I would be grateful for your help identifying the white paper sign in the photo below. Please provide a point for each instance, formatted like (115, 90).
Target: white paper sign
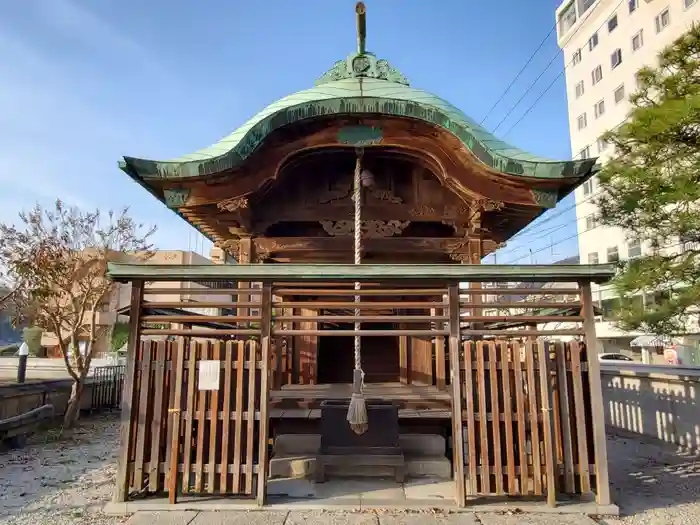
(209, 372)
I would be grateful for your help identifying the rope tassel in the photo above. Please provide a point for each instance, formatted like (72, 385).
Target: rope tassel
(357, 411)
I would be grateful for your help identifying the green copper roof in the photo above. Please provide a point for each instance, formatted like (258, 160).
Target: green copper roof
(359, 85)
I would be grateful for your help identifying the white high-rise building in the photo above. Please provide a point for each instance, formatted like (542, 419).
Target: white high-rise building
(605, 42)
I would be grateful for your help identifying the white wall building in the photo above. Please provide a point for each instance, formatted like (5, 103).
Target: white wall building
(605, 42)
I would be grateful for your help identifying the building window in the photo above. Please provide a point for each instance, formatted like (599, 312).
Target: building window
(597, 75)
(612, 24)
(616, 58)
(620, 94)
(582, 121)
(633, 4)
(577, 57)
(662, 20)
(593, 42)
(585, 153)
(590, 223)
(567, 18)
(602, 145)
(638, 40)
(599, 108)
(613, 254)
(588, 187)
(593, 258)
(579, 89)
(634, 249)
(587, 4)
(610, 307)
(688, 3)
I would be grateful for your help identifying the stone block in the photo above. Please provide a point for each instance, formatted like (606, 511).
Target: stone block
(430, 489)
(422, 444)
(321, 517)
(427, 518)
(297, 444)
(171, 517)
(435, 467)
(240, 517)
(292, 466)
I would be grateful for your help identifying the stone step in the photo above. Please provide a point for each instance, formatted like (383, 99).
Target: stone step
(297, 466)
(418, 445)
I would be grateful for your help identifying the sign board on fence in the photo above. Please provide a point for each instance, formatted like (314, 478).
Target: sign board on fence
(209, 372)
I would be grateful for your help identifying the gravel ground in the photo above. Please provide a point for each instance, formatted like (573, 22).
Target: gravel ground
(653, 485)
(62, 481)
(67, 481)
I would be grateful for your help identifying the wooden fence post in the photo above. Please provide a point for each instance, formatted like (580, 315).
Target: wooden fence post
(456, 384)
(265, 339)
(600, 445)
(122, 482)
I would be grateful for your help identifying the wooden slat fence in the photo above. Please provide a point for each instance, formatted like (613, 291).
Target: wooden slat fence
(185, 440)
(526, 419)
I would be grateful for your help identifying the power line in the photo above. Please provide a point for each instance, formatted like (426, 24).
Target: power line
(549, 246)
(559, 212)
(549, 218)
(519, 73)
(526, 92)
(559, 75)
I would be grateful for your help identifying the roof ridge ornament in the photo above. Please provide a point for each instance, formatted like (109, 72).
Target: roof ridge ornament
(361, 11)
(362, 64)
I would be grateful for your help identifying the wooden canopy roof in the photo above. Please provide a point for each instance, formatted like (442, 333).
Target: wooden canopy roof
(304, 143)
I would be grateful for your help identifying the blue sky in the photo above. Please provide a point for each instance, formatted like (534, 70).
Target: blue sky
(83, 83)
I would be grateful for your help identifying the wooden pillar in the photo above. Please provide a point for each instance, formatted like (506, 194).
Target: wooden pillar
(294, 340)
(421, 355)
(456, 385)
(404, 354)
(599, 439)
(308, 350)
(439, 349)
(246, 255)
(129, 393)
(548, 416)
(265, 340)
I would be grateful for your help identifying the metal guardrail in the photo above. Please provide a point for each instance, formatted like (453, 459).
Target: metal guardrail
(641, 369)
(107, 385)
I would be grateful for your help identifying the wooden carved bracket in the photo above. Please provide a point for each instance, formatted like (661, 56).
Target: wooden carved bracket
(231, 246)
(370, 229)
(239, 208)
(385, 196)
(341, 190)
(233, 205)
(464, 219)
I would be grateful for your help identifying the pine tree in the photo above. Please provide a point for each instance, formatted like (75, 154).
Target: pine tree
(651, 188)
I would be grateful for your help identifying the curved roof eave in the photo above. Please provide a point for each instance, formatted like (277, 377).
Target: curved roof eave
(355, 96)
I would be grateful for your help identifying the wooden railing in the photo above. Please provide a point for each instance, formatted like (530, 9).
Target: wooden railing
(527, 402)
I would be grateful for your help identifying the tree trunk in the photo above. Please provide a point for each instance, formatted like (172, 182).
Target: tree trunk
(73, 411)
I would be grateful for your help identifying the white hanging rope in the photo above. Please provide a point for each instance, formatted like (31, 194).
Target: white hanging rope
(357, 196)
(357, 411)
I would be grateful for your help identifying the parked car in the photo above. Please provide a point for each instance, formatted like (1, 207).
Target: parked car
(614, 357)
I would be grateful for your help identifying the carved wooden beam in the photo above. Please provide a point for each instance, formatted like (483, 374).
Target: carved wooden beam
(278, 245)
(370, 229)
(434, 146)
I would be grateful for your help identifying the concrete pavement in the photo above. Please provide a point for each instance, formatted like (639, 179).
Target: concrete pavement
(338, 517)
